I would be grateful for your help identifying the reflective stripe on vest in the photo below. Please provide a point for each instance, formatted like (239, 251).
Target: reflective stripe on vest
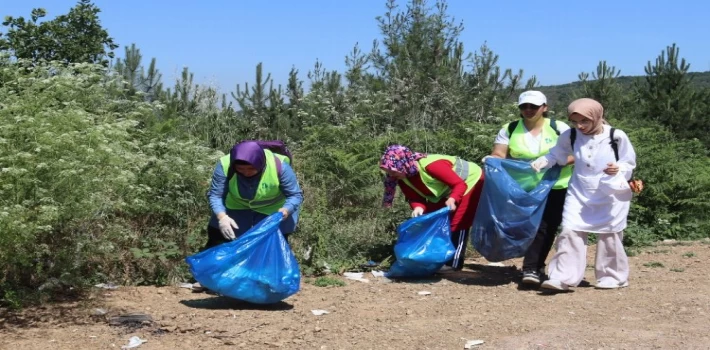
(517, 149)
(467, 171)
(268, 197)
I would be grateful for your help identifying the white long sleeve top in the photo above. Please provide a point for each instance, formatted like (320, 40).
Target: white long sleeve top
(588, 207)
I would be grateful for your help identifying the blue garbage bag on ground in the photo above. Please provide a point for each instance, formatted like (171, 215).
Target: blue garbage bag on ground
(423, 245)
(258, 267)
(510, 209)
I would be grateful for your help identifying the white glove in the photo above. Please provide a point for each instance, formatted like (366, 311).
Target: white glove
(451, 204)
(227, 226)
(539, 164)
(418, 211)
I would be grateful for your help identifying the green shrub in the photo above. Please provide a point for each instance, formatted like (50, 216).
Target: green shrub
(85, 186)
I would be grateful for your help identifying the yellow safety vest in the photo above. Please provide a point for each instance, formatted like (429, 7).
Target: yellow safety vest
(268, 198)
(467, 171)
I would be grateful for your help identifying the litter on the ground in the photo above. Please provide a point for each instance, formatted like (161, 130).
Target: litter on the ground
(133, 342)
(369, 265)
(136, 320)
(185, 285)
(378, 273)
(99, 312)
(496, 264)
(319, 312)
(424, 292)
(106, 286)
(470, 344)
(357, 276)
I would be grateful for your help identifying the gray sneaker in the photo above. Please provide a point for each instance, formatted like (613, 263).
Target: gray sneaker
(531, 277)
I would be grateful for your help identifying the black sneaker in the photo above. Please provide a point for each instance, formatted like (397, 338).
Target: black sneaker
(531, 277)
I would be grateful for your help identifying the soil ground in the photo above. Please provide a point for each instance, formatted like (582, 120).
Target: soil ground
(667, 306)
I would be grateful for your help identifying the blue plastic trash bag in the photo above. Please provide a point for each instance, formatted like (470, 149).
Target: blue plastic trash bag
(423, 245)
(258, 267)
(510, 209)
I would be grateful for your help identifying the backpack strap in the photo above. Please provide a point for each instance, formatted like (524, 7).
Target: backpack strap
(553, 125)
(512, 126)
(614, 144)
(278, 165)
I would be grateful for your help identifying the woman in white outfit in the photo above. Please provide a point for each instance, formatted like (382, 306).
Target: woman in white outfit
(597, 200)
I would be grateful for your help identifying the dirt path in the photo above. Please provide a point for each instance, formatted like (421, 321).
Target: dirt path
(667, 306)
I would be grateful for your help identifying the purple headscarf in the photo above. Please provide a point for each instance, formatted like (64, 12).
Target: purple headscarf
(249, 152)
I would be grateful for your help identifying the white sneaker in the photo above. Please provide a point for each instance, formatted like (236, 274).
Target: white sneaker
(445, 269)
(609, 283)
(198, 288)
(554, 285)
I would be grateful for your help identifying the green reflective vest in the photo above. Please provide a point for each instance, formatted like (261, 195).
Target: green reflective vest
(469, 172)
(268, 198)
(518, 150)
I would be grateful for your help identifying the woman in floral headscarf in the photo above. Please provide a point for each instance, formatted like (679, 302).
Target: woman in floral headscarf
(597, 200)
(431, 182)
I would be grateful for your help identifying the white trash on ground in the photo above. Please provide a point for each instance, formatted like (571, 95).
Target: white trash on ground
(319, 312)
(106, 286)
(378, 273)
(99, 312)
(133, 342)
(424, 292)
(357, 276)
(470, 344)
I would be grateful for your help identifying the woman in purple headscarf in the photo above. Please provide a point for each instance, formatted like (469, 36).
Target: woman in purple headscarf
(249, 184)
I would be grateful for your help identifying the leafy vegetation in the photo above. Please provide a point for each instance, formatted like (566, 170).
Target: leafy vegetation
(328, 281)
(104, 166)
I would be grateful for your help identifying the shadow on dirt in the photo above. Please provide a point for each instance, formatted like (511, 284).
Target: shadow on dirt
(483, 275)
(416, 280)
(226, 303)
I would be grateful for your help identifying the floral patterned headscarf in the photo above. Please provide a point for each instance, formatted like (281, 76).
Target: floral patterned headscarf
(401, 159)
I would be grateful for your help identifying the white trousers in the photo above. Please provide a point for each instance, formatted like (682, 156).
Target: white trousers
(570, 260)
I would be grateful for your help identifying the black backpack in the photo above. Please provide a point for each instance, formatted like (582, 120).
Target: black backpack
(613, 142)
(513, 125)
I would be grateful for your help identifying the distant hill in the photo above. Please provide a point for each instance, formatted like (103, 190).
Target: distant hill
(557, 94)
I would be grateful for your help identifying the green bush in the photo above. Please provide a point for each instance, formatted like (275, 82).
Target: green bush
(86, 192)
(676, 175)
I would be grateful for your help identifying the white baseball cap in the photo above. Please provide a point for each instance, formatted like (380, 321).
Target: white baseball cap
(533, 97)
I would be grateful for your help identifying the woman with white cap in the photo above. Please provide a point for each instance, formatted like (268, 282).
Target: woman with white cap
(527, 139)
(597, 200)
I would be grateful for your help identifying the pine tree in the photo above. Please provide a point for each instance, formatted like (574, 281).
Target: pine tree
(603, 87)
(668, 97)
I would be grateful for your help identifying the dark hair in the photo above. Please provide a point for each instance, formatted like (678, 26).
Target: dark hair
(241, 162)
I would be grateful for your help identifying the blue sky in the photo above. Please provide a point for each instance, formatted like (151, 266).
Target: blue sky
(222, 41)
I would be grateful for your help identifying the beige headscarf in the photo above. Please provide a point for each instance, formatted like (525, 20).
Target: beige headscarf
(591, 110)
